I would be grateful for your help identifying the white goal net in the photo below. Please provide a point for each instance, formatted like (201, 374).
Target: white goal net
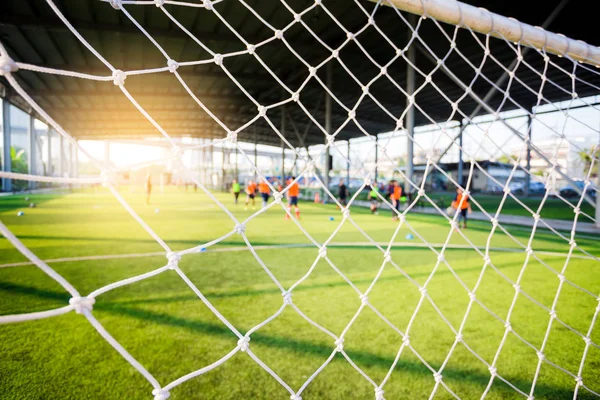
(495, 66)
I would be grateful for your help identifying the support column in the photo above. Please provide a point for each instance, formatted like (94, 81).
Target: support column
(255, 153)
(223, 168)
(460, 154)
(49, 169)
(75, 160)
(106, 153)
(6, 159)
(376, 156)
(348, 167)
(528, 156)
(237, 171)
(410, 115)
(61, 156)
(282, 145)
(31, 150)
(329, 77)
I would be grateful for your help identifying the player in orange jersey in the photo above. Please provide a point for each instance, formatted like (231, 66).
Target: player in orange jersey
(265, 192)
(250, 191)
(293, 194)
(462, 205)
(395, 196)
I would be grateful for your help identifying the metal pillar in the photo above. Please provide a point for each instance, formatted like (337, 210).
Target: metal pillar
(50, 168)
(348, 166)
(255, 153)
(410, 114)
(376, 156)
(528, 156)
(6, 159)
(329, 79)
(237, 171)
(106, 153)
(61, 156)
(75, 160)
(282, 144)
(223, 168)
(460, 154)
(31, 150)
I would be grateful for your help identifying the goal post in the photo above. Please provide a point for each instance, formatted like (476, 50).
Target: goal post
(386, 85)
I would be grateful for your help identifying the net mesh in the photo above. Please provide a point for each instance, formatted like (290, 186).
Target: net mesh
(478, 133)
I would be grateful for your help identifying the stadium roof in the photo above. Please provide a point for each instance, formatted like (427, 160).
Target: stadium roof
(33, 33)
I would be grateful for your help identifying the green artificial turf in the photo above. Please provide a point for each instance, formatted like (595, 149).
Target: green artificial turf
(171, 332)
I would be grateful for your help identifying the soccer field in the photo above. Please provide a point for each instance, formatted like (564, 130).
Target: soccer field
(171, 332)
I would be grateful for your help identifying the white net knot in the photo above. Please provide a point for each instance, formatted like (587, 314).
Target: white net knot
(82, 303)
(493, 371)
(323, 251)
(529, 250)
(517, 287)
(232, 136)
(494, 222)
(251, 49)
(297, 17)
(330, 140)
(577, 210)
(244, 343)
(350, 35)
(161, 394)
(364, 299)
(296, 96)
(423, 291)
(402, 218)
(406, 340)
(587, 340)
(172, 64)
(240, 229)
(561, 277)
(459, 338)
(387, 257)
(365, 89)
(536, 217)
(7, 65)
(441, 257)
(437, 377)
(207, 4)
(262, 110)
(346, 212)
(287, 297)
(454, 224)
(173, 259)
(312, 71)
(472, 296)
(421, 192)
(541, 355)
(410, 99)
(119, 77)
(335, 53)
(318, 2)
(572, 243)
(383, 71)
(579, 380)
(506, 190)
(379, 394)
(159, 3)
(486, 259)
(278, 34)
(508, 326)
(339, 345)
(277, 196)
(116, 4)
(552, 314)
(295, 397)
(218, 59)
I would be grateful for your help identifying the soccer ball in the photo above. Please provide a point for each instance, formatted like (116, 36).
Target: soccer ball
(20, 213)
(450, 211)
(31, 205)
(157, 210)
(409, 236)
(26, 198)
(331, 218)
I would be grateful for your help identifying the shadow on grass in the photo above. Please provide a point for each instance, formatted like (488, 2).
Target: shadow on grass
(362, 358)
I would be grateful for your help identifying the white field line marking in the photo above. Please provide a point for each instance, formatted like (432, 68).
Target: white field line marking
(289, 246)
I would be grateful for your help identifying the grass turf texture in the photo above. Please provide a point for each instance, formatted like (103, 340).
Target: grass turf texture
(168, 329)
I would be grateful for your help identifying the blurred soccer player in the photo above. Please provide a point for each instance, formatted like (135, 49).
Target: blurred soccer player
(395, 196)
(250, 191)
(148, 187)
(235, 189)
(462, 205)
(293, 194)
(263, 188)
